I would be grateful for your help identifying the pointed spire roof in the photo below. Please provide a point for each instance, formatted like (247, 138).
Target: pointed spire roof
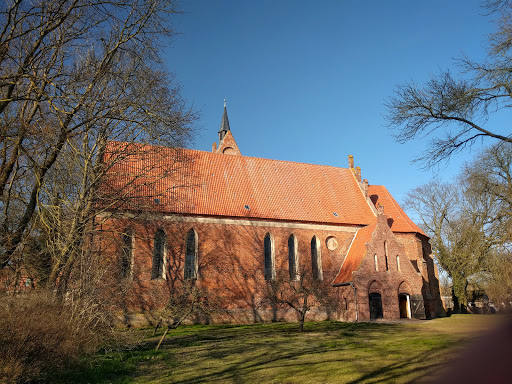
(224, 124)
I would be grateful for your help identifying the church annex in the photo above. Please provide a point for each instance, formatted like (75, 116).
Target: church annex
(237, 225)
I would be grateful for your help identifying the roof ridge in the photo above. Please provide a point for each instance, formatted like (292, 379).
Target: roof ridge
(220, 154)
(267, 159)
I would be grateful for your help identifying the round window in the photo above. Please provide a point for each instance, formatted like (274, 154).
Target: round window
(332, 243)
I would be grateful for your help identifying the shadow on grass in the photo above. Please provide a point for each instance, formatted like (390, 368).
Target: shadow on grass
(271, 352)
(406, 368)
(325, 352)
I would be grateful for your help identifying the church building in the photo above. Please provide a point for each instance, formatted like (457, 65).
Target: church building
(247, 228)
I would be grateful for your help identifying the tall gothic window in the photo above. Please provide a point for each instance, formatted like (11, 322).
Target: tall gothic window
(316, 259)
(126, 253)
(268, 245)
(191, 255)
(386, 255)
(157, 272)
(292, 257)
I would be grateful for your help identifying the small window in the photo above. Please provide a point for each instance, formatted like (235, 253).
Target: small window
(316, 259)
(268, 245)
(157, 271)
(375, 261)
(398, 263)
(126, 253)
(191, 249)
(346, 303)
(292, 257)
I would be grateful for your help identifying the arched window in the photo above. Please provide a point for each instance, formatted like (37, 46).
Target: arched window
(386, 255)
(158, 270)
(316, 259)
(398, 263)
(268, 245)
(375, 261)
(191, 255)
(126, 253)
(292, 257)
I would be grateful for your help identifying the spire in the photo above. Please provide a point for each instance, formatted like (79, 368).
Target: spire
(224, 124)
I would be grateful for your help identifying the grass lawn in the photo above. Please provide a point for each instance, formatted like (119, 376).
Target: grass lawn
(327, 352)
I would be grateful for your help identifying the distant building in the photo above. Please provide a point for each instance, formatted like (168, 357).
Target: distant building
(234, 224)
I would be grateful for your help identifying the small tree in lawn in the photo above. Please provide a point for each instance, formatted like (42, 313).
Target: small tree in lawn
(297, 291)
(185, 302)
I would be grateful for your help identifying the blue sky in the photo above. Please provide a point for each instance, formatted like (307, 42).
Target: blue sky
(306, 81)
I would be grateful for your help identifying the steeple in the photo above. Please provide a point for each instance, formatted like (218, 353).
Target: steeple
(227, 143)
(224, 124)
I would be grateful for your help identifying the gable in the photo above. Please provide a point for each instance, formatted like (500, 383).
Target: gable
(228, 145)
(369, 252)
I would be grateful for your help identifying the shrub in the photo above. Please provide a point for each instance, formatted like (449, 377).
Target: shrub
(40, 333)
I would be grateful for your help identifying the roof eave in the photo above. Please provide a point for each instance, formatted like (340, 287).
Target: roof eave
(343, 284)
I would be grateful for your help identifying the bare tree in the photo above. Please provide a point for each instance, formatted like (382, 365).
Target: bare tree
(498, 281)
(300, 293)
(469, 220)
(488, 181)
(458, 241)
(187, 301)
(73, 77)
(452, 110)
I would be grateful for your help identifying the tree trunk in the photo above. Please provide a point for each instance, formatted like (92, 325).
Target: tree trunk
(157, 326)
(162, 338)
(301, 321)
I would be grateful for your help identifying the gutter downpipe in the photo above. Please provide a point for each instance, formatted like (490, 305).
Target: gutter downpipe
(355, 296)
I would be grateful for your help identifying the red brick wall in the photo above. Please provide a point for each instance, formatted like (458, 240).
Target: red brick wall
(231, 264)
(231, 267)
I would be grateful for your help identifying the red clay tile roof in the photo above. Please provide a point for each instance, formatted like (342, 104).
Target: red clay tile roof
(400, 221)
(206, 183)
(355, 255)
(195, 182)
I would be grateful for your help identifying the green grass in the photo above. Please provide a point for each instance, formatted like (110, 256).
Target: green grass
(327, 352)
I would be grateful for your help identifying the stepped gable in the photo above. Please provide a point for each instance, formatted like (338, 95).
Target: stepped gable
(355, 255)
(203, 183)
(398, 220)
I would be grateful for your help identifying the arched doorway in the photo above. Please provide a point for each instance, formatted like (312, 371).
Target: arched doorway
(375, 300)
(405, 306)
(404, 300)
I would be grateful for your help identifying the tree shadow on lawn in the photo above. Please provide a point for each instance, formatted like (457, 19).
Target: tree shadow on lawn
(294, 362)
(407, 370)
(269, 354)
